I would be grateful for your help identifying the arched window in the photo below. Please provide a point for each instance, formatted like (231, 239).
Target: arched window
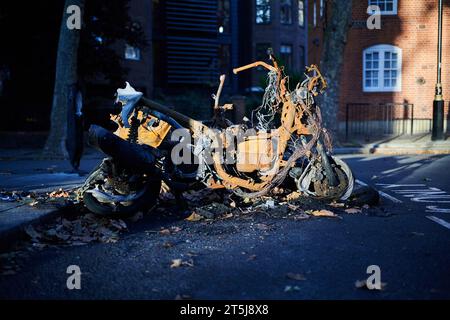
(382, 68)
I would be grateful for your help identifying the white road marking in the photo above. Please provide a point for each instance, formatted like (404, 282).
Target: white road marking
(439, 221)
(435, 209)
(391, 185)
(361, 183)
(388, 196)
(383, 194)
(413, 193)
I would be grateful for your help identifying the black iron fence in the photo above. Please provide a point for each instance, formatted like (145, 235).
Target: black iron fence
(371, 121)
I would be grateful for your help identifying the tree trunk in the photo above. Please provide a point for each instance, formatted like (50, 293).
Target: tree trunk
(335, 38)
(65, 80)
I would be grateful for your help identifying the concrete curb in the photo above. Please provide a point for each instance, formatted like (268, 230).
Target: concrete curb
(391, 150)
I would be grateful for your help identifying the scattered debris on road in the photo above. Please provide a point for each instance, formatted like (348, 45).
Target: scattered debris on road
(176, 263)
(295, 276)
(78, 231)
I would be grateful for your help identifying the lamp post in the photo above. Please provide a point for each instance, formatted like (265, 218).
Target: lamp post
(437, 132)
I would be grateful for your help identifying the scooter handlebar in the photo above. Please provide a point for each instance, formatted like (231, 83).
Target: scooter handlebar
(254, 65)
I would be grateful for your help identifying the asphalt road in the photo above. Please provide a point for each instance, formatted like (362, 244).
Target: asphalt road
(236, 258)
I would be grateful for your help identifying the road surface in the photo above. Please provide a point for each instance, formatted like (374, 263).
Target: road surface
(271, 257)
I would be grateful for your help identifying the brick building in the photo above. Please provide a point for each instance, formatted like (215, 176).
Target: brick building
(389, 74)
(277, 24)
(196, 40)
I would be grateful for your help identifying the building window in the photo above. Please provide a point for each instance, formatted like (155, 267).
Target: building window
(132, 53)
(387, 7)
(321, 8)
(382, 69)
(301, 58)
(286, 11)
(301, 13)
(262, 11)
(314, 14)
(286, 55)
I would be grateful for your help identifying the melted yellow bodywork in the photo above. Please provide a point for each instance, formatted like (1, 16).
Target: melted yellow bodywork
(152, 130)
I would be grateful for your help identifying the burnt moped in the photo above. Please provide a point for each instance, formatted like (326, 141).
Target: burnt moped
(283, 139)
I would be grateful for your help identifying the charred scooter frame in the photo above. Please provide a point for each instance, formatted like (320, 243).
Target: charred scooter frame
(284, 139)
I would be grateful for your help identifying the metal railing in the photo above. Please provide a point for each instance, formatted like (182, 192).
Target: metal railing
(371, 121)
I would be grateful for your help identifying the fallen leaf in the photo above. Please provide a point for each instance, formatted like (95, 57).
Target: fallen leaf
(119, 224)
(66, 223)
(194, 217)
(337, 204)
(262, 226)
(295, 276)
(167, 245)
(301, 216)
(63, 236)
(34, 235)
(175, 229)
(323, 213)
(251, 257)
(164, 232)
(189, 263)
(293, 196)
(291, 288)
(353, 210)
(176, 263)
(59, 194)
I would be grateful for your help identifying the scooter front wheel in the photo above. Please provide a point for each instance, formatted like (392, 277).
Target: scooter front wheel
(103, 199)
(145, 199)
(314, 182)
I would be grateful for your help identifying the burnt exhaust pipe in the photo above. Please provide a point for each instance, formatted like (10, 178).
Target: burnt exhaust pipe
(128, 155)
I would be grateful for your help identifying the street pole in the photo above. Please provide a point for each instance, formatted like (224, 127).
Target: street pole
(438, 103)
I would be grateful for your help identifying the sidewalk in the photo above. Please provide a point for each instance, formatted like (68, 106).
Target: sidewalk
(404, 144)
(22, 174)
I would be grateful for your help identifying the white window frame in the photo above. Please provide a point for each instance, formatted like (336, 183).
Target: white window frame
(314, 14)
(267, 5)
(384, 12)
(301, 13)
(381, 49)
(130, 51)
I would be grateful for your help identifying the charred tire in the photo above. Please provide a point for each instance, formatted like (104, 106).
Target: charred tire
(145, 201)
(320, 189)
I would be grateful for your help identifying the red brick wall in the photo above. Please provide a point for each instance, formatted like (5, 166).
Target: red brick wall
(414, 30)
